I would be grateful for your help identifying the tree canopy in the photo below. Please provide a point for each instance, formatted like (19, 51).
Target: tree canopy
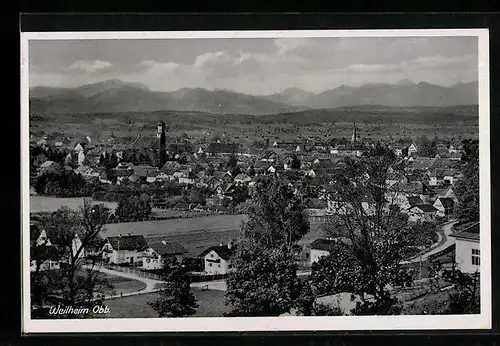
(371, 232)
(176, 298)
(467, 189)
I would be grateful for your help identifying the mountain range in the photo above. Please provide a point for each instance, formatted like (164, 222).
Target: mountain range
(119, 96)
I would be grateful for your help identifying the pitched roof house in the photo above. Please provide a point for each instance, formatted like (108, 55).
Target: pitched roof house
(125, 249)
(217, 259)
(158, 252)
(422, 212)
(467, 249)
(444, 206)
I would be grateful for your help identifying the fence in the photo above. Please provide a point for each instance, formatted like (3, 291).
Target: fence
(198, 277)
(135, 271)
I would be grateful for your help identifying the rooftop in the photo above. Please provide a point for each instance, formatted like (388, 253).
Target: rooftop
(470, 233)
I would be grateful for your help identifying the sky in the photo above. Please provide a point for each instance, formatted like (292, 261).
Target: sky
(256, 66)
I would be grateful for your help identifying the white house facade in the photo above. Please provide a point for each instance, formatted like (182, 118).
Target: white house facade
(467, 249)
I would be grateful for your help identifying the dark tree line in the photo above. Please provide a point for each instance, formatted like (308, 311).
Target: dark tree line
(467, 189)
(133, 208)
(65, 184)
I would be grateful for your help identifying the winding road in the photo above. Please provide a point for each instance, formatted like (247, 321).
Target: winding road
(447, 230)
(152, 284)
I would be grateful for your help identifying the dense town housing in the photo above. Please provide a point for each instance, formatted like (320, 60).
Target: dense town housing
(217, 177)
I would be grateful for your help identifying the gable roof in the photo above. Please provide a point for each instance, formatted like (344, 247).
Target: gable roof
(446, 202)
(222, 250)
(426, 208)
(164, 248)
(128, 242)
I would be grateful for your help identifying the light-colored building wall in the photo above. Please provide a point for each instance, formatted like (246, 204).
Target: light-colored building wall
(464, 255)
(212, 268)
(124, 256)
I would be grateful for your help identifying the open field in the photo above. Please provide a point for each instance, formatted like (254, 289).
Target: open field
(211, 304)
(49, 204)
(373, 122)
(195, 234)
(124, 285)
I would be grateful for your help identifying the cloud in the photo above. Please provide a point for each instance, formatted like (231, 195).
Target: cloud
(264, 66)
(90, 66)
(432, 62)
(370, 68)
(159, 67)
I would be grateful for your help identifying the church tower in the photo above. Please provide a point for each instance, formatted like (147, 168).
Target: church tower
(161, 137)
(355, 135)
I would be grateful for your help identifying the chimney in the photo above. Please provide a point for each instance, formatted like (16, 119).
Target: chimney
(221, 243)
(230, 244)
(164, 242)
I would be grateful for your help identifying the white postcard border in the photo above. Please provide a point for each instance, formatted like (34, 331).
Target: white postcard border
(289, 323)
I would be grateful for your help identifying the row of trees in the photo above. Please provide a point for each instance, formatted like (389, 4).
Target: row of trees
(65, 184)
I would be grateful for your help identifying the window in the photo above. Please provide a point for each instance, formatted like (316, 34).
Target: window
(475, 257)
(210, 264)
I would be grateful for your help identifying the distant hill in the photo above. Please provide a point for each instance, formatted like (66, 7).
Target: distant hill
(118, 96)
(404, 93)
(292, 96)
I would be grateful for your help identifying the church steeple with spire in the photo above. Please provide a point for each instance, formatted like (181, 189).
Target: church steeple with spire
(355, 135)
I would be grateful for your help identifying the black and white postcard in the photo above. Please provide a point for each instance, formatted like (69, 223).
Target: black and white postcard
(255, 180)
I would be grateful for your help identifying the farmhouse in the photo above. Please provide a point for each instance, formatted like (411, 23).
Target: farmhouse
(467, 252)
(422, 212)
(444, 206)
(127, 249)
(158, 253)
(48, 256)
(216, 259)
(43, 254)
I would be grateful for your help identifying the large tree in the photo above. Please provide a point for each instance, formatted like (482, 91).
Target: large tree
(176, 298)
(265, 281)
(371, 232)
(73, 237)
(426, 147)
(276, 214)
(467, 189)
